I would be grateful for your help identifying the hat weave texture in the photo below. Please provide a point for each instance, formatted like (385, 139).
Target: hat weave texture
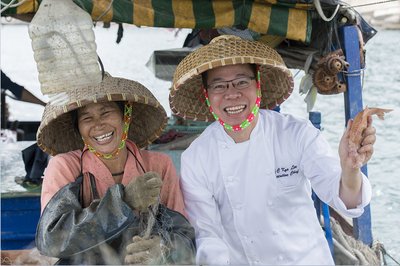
(57, 134)
(186, 96)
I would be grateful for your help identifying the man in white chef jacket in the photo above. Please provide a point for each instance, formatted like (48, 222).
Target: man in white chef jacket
(247, 178)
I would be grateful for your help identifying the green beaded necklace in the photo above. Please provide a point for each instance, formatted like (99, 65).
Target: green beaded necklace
(249, 118)
(127, 121)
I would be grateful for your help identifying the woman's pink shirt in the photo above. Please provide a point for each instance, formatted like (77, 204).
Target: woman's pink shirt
(65, 168)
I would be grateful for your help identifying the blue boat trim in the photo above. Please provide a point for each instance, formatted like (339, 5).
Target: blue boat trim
(20, 214)
(353, 103)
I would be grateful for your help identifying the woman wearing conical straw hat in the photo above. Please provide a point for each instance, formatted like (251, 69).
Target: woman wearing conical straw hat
(104, 199)
(247, 179)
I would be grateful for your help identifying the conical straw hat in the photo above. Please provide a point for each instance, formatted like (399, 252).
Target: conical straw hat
(186, 96)
(56, 133)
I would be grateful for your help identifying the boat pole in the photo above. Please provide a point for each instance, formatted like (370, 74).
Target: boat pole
(320, 206)
(353, 104)
(3, 121)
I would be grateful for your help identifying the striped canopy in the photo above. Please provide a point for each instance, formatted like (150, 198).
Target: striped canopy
(285, 18)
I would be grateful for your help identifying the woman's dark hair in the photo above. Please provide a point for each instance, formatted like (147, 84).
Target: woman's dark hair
(74, 115)
(204, 75)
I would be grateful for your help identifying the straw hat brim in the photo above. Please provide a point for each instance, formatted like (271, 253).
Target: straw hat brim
(186, 96)
(56, 133)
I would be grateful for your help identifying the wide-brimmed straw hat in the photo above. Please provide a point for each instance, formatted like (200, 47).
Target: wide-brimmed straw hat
(186, 96)
(56, 133)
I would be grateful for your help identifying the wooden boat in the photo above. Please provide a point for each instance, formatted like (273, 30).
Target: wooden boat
(305, 33)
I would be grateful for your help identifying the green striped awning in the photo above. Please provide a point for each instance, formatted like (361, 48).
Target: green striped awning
(285, 18)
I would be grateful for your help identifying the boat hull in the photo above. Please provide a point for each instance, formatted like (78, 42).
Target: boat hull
(20, 214)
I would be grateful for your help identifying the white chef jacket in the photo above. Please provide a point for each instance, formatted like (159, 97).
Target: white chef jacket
(250, 202)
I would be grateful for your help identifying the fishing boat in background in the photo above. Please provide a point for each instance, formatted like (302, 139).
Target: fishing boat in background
(324, 38)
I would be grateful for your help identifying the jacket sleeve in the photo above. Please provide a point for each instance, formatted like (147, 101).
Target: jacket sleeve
(203, 213)
(66, 229)
(322, 167)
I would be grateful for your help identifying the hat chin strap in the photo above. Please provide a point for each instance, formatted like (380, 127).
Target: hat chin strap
(250, 117)
(127, 122)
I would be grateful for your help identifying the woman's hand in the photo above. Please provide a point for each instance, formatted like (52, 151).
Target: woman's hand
(143, 191)
(144, 251)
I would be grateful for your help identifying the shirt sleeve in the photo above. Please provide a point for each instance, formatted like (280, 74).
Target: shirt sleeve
(366, 194)
(61, 170)
(203, 214)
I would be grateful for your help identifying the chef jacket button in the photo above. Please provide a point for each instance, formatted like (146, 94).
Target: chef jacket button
(269, 203)
(280, 257)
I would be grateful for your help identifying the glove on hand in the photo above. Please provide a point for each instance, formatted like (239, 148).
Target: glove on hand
(144, 251)
(143, 191)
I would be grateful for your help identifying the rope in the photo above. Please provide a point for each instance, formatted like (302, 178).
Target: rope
(105, 11)
(11, 4)
(321, 13)
(375, 3)
(385, 253)
(354, 73)
(153, 210)
(349, 251)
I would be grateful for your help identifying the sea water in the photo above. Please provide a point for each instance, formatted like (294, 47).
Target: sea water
(127, 59)
(381, 88)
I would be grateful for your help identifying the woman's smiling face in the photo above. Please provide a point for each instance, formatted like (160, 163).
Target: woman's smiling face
(101, 125)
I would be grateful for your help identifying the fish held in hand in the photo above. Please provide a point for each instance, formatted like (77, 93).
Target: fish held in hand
(360, 123)
(358, 126)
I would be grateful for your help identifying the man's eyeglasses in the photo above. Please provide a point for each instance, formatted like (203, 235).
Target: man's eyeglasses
(222, 86)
